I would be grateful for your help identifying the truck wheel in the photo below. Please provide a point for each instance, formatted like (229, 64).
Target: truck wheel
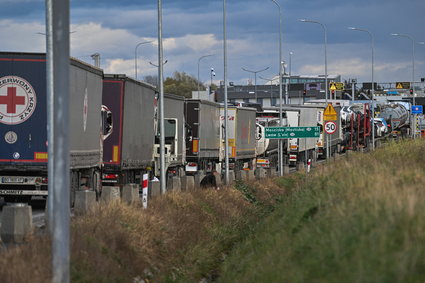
(95, 182)
(75, 185)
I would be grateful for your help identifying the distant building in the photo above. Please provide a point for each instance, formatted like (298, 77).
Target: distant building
(300, 89)
(204, 95)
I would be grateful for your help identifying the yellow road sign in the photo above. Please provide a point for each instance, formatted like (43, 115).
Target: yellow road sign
(402, 85)
(330, 113)
(336, 86)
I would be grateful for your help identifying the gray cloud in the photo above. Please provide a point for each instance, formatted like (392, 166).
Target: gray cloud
(194, 28)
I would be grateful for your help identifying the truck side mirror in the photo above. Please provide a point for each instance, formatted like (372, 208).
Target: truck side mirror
(107, 122)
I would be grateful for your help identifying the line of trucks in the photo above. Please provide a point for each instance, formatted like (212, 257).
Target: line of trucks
(114, 131)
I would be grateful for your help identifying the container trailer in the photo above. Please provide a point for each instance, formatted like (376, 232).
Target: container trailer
(241, 123)
(175, 144)
(202, 135)
(128, 133)
(23, 126)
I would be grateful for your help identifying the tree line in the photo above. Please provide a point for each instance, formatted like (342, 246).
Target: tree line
(180, 83)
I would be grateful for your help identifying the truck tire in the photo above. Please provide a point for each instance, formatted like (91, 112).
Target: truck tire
(96, 183)
(75, 185)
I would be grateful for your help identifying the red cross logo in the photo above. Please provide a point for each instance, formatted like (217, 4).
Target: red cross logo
(19, 102)
(11, 100)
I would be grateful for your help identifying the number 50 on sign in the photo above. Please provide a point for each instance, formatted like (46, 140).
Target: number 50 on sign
(330, 127)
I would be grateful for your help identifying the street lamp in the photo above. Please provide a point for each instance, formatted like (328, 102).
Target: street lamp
(135, 56)
(255, 78)
(226, 136)
(280, 143)
(96, 58)
(212, 75)
(372, 40)
(271, 88)
(199, 60)
(412, 85)
(288, 85)
(326, 72)
(161, 101)
(155, 65)
(290, 62)
(326, 59)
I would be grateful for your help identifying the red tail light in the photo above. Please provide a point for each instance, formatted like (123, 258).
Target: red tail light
(110, 176)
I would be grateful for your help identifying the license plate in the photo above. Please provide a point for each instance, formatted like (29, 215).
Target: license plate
(10, 180)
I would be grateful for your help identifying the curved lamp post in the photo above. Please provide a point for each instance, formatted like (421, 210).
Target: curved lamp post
(326, 71)
(199, 60)
(135, 56)
(372, 41)
(255, 78)
(280, 145)
(412, 85)
(271, 88)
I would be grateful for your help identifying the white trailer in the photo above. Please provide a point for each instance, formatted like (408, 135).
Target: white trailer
(334, 139)
(299, 149)
(241, 140)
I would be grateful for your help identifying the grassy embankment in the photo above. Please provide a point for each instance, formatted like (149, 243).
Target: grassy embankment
(361, 219)
(180, 237)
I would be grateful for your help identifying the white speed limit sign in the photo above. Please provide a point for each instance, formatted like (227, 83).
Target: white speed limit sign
(330, 127)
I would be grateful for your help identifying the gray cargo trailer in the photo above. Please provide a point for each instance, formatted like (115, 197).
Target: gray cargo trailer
(129, 139)
(85, 137)
(202, 135)
(241, 123)
(175, 147)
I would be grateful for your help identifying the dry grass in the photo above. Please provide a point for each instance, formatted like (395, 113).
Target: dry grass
(182, 236)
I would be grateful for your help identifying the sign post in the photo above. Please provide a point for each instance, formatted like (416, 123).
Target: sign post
(329, 115)
(416, 109)
(330, 127)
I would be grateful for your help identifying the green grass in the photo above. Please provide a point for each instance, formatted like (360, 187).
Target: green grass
(357, 221)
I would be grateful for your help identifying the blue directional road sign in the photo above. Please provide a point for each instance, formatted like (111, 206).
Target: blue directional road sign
(417, 109)
(292, 132)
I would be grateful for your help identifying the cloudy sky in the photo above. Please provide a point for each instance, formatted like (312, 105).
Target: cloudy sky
(193, 28)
